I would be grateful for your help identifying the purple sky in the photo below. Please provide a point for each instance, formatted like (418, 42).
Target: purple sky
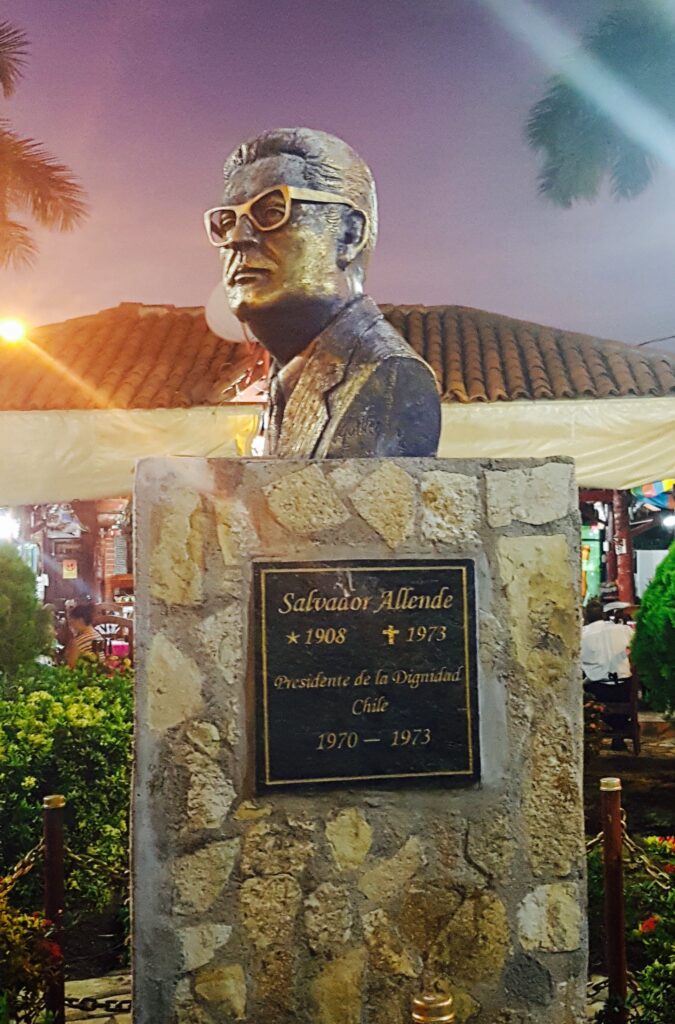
(143, 99)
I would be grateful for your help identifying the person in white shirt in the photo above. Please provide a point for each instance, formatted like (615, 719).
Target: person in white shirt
(605, 662)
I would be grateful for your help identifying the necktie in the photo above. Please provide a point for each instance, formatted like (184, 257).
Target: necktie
(275, 415)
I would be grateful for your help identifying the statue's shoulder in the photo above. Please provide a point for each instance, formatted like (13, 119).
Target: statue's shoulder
(381, 341)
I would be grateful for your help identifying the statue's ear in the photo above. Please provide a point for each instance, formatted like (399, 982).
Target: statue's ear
(353, 237)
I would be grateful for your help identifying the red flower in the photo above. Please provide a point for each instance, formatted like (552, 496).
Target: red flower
(669, 869)
(649, 924)
(52, 949)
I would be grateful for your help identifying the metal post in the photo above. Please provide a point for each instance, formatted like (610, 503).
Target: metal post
(433, 1008)
(54, 898)
(610, 565)
(623, 543)
(615, 928)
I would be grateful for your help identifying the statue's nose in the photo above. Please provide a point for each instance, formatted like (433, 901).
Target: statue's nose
(242, 232)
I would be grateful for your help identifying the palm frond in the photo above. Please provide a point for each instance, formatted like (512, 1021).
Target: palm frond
(35, 181)
(13, 52)
(576, 142)
(632, 170)
(582, 142)
(17, 248)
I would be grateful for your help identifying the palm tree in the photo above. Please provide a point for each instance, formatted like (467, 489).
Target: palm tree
(13, 50)
(610, 116)
(30, 179)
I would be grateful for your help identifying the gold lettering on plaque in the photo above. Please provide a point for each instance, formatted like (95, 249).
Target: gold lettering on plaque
(405, 599)
(315, 602)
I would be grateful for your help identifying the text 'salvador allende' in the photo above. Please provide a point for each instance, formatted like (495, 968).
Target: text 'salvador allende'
(399, 600)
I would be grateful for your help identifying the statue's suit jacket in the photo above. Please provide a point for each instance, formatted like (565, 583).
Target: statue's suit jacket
(362, 392)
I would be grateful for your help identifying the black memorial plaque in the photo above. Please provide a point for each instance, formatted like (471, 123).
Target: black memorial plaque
(366, 672)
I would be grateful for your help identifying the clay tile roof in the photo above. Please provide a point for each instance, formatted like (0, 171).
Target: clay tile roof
(130, 357)
(485, 357)
(150, 357)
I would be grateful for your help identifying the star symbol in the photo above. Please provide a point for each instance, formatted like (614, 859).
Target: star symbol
(292, 637)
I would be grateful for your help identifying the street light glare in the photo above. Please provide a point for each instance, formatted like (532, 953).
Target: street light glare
(9, 527)
(12, 330)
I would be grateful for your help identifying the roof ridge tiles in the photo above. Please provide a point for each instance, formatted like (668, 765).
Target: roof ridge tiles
(453, 384)
(207, 368)
(198, 337)
(116, 377)
(534, 363)
(154, 387)
(138, 355)
(561, 384)
(578, 371)
(435, 348)
(600, 370)
(494, 373)
(665, 374)
(516, 380)
(137, 392)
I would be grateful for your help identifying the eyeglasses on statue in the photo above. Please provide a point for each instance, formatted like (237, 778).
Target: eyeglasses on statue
(269, 211)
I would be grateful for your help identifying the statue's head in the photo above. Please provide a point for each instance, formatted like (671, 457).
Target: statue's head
(297, 224)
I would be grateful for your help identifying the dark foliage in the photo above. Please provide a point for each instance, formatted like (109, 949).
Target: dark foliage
(583, 126)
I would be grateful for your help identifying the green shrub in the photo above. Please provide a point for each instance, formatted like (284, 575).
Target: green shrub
(654, 1001)
(68, 731)
(25, 628)
(653, 649)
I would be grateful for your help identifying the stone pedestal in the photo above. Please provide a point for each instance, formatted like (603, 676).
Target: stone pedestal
(331, 907)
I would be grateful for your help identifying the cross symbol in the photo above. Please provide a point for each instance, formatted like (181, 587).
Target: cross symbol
(391, 634)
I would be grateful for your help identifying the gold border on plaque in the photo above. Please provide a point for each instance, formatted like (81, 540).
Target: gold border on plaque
(467, 666)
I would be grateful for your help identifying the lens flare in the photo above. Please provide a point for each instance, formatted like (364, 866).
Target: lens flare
(12, 331)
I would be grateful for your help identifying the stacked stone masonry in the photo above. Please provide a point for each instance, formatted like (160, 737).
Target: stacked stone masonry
(335, 907)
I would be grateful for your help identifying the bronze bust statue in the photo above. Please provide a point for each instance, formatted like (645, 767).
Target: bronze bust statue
(295, 232)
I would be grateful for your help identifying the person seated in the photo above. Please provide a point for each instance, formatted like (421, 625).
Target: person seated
(605, 647)
(85, 639)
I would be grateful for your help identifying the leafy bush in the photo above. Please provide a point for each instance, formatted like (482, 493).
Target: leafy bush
(27, 957)
(68, 731)
(650, 926)
(653, 649)
(25, 629)
(657, 990)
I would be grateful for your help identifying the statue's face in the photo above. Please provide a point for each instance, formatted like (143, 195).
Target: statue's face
(296, 262)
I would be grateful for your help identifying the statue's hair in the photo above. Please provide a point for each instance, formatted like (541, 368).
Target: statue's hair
(330, 166)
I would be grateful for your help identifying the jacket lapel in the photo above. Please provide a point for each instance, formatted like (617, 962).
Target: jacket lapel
(306, 414)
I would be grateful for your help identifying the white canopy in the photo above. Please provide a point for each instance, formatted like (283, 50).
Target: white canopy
(58, 455)
(64, 455)
(615, 442)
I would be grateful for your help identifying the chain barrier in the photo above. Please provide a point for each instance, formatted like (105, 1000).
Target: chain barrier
(636, 856)
(91, 860)
(90, 1003)
(22, 868)
(639, 858)
(592, 843)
